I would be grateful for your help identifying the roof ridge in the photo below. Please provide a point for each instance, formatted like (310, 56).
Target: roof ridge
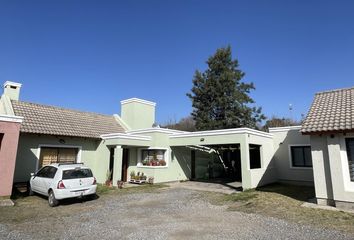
(336, 90)
(62, 108)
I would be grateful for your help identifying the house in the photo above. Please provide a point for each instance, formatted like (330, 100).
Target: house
(330, 125)
(131, 142)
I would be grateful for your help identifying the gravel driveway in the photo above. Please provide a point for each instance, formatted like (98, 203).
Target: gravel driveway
(164, 214)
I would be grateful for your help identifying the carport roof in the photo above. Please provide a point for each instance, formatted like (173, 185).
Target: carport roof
(221, 132)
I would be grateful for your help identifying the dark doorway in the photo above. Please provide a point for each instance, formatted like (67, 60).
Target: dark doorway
(1, 137)
(192, 164)
(125, 164)
(215, 162)
(111, 162)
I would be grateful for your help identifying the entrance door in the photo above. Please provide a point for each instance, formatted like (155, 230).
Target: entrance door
(125, 164)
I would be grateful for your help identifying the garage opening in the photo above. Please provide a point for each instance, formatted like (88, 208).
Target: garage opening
(216, 162)
(51, 155)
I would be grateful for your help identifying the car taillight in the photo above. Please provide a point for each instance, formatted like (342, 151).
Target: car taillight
(94, 181)
(61, 185)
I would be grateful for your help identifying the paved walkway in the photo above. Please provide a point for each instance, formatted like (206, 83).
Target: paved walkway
(219, 187)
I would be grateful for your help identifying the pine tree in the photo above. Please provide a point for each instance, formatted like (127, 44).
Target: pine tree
(219, 98)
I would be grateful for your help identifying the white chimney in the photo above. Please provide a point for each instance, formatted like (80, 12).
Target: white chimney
(12, 90)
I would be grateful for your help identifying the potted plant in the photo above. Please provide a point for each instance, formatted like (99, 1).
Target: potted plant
(132, 175)
(109, 178)
(151, 180)
(120, 184)
(142, 176)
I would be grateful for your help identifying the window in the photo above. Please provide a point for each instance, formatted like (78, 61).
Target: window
(301, 156)
(350, 153)
(255, 156)
(47, 172)
(77, 173)
(153, 157)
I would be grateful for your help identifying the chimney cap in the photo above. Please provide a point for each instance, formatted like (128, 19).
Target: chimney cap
(138, 100)
(10, 83)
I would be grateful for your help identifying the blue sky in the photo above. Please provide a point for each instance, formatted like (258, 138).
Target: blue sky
(89, 55)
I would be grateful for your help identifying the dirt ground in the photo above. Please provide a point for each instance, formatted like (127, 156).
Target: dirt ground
(148, 213)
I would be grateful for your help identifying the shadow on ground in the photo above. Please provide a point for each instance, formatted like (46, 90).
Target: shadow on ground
(301, 193)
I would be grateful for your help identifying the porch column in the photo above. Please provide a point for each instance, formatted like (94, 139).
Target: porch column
(342, 187)
(245, 163)
(117, 166)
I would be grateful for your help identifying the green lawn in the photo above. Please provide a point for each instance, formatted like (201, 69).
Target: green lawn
(284, 202)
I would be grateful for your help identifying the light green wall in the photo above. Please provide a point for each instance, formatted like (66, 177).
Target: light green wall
(138, 115)
(330, 166)
(207, 140)
(28, 146)
(178, 165)
(267, 173)
(343, 187)
(101, 164)
(282, 142)
(321, 170)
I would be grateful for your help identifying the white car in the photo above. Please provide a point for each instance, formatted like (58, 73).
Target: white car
(60, 181)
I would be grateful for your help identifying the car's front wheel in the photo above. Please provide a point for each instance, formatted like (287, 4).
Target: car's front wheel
(52, 200)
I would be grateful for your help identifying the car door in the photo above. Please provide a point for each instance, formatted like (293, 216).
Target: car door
(37, 180)
(48, 179)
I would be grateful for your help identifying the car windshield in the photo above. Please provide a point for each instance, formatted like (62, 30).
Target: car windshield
(77, 173)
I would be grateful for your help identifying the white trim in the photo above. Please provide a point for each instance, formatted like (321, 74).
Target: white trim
(155, 130)
(125, 136)
(78, 156)
(8, 118)
(12, 84)
(291, 159)
(222, 132)
(284, 129)
(138, 100)
(121, 122)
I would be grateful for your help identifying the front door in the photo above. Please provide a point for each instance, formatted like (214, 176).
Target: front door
(125, 164)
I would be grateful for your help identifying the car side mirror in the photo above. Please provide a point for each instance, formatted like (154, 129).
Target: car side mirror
(33, 174)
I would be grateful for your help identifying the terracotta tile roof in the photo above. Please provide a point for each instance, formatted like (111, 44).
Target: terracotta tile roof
(331, 111)
(43, 119)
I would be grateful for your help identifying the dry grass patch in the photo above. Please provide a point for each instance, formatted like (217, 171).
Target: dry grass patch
(104, 190)
(284, 202)
(30, 208)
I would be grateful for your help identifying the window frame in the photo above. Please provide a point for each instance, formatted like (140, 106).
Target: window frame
(292, 166)
(260, 155)
(139, 163)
